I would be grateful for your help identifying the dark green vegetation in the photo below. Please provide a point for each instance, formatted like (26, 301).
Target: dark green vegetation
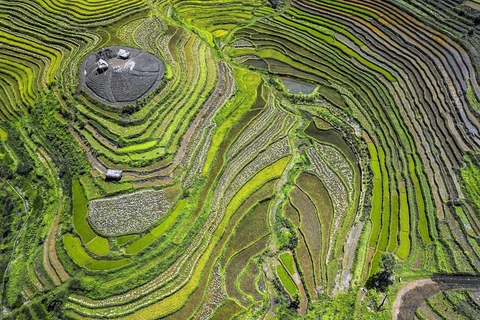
(277, 203)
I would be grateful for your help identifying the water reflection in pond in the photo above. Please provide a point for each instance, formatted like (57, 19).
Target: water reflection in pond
(294, 86)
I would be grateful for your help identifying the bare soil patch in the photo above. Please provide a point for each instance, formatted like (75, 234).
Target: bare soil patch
(414, 293)
(123, 81)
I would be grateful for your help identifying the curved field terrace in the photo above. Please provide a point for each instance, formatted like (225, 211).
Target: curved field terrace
(120, 79)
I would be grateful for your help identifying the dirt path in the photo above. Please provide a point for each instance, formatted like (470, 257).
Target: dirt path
(349, 248)
(411, 296)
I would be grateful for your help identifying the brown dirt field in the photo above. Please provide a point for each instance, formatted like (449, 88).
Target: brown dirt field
(27, 291)
(418, 262)
(304, 301)
(46, 262)
(52, 252)
(311, 228)
(427, 312)
(414, 293)
(366, 137)
(305, 261)
(50, 261)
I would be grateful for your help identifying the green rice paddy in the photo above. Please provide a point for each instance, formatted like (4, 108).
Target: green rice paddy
(296, 143)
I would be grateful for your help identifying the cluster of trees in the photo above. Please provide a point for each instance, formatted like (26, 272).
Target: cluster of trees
(385, 277)
(15, 143)
(54, 135)
(286, 236)
(10, 209)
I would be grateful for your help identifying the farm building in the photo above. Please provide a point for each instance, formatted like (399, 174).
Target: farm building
(123, 54)
(102, 65)
(113, 175)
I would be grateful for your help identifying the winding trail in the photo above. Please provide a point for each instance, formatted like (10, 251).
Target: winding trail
(414, 293)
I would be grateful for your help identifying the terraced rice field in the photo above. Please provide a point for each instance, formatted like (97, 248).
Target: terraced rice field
(286, 150)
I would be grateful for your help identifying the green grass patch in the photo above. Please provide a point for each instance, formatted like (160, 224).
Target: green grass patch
(377, 198)
(384, 234)
(140, 244)
(392, 242)
(107, 264)
(422, 216)
(286, 280)
(374, 266)
(471, 177)
(170, 220)
(3, 135)
(138, 147)
(109, 188)
(80, 213)
(98, 245)
(92, 191)
(287, 261)
(74, 248)
(404, 247)
(124, 239)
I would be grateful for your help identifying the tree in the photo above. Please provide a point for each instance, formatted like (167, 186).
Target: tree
(388, 262)
(385, 277)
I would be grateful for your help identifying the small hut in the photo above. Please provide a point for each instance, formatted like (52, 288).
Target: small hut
(113, 175)
(102, 65)
(123, 54)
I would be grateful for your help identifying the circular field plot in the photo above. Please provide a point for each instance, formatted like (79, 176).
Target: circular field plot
(120, 75)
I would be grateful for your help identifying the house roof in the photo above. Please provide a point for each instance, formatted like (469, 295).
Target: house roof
(102, 63)
(123, 53)
(114, 173)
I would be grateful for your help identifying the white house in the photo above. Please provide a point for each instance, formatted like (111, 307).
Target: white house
(102, 65)
(123, 54)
